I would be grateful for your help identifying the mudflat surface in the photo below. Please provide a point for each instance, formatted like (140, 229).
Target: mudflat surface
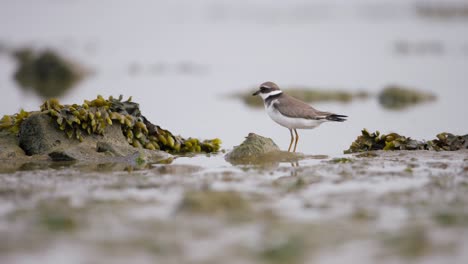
(389, 207)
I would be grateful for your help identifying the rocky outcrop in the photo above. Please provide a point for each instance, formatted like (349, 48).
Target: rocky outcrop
(393, 141)
(101, 130)
(39, 135)
(258, 150)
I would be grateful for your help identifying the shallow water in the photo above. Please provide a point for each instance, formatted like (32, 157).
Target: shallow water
(180, 60)
(406, 206)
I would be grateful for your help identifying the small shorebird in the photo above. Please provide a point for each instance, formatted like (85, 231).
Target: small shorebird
(291, 112)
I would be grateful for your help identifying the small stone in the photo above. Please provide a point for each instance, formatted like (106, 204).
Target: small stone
(253, 147)
(258, 150)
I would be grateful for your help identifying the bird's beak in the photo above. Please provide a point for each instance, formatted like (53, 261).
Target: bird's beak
(256, 93)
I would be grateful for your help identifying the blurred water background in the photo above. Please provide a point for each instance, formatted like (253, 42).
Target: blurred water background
(181, 59)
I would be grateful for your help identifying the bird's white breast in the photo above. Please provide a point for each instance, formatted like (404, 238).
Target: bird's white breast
(289, 122)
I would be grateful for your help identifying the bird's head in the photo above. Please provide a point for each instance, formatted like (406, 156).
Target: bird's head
(267, 89)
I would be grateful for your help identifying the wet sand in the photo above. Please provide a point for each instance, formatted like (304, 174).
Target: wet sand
(379, 206)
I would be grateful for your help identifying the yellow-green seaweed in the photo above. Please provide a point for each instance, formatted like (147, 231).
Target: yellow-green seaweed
(12, 123)
(393, 141)
(92, 117)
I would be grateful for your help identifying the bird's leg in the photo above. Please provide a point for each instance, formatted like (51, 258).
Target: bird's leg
(292, 138)
(297, 139)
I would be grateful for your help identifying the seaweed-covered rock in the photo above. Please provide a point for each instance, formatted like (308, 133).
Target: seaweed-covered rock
(47, 73)
(110, 127)
(9, 148)
(259, 150)
(12, 123)
(448, 142)
(40, 135)
(376, 141)
(308, 95)
(396, 97)
(253, 147)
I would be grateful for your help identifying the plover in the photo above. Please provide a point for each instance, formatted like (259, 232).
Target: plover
(291, 112)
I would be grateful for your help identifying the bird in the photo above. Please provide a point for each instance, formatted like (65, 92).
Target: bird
(292, 113)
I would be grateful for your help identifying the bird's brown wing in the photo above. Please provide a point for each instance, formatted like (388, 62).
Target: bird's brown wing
(295, 108)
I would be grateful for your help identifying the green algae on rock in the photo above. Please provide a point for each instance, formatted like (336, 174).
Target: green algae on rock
(93, 118)
(376, 141)
(252, 146)
(449, 142)
(397, 97)
(259, 150)
(46, 73)
(308, 95)
(12, 123)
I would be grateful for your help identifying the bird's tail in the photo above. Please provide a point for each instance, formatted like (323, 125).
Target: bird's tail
(338, 118)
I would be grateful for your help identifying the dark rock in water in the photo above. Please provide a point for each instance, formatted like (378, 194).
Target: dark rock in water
(46, 73)
(40, 135)
(252, 147)
(376, 141)
(449, 142)
(9, 148)
(259, 150)
(396, 97)
(100, 130)
(61, 156)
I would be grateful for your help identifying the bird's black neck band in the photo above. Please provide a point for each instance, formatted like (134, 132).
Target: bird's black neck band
(270, 98)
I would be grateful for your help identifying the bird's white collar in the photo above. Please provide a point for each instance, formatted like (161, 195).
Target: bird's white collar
(272, 93)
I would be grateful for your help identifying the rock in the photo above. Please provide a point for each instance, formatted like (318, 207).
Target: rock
(100, 130)
(252, 147)
(397, 97)
(40, 135)
(94, 117)
(62, 155)
(9, 148)
(376, 141)
(259, 150)
(449, 142)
